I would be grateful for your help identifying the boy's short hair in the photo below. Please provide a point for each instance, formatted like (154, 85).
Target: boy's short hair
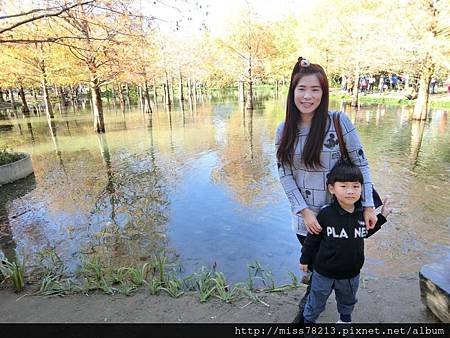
(345, 172)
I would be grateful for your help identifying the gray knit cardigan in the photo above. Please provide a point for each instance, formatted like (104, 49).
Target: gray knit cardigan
(306, 187)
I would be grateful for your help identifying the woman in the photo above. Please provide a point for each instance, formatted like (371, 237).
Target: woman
(307, 149)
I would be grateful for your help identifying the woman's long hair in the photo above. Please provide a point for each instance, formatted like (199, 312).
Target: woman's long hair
(314, 142)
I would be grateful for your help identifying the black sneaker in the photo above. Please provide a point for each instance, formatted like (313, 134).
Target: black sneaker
(299, 318)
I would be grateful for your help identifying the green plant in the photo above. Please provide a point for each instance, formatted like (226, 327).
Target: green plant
(49, 285)
(268, 279)
(153, 286)
(222, 290)
(14, 271)
(118, 275)
(126, 289)
(8, 156)
(93, 270)
(95, 276)
(254, 297)
(53, 285)
(51, 263)
(174, 287)
(160, 262)
(139, 275)
(203, 282)
(205, 290)
(295, 284)
(255, 270)
(105, 287)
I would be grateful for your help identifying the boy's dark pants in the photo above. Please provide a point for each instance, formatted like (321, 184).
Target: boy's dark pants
(321, 288)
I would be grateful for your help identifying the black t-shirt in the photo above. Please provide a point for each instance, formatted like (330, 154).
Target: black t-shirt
(338, 251)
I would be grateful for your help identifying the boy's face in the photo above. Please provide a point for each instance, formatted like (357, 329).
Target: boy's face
(347, 193)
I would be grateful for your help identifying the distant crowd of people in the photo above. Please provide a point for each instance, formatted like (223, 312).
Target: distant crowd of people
(369, 84)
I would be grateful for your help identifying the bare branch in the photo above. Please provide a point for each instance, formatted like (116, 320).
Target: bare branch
(52, 39)
(46, 15)
(28, 13)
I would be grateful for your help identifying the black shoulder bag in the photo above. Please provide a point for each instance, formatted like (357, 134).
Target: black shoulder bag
(345, 156)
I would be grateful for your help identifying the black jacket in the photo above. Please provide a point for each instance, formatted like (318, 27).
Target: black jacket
(338, 251)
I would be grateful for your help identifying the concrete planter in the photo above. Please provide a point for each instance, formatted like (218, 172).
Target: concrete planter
(16, 170)
(435, 289)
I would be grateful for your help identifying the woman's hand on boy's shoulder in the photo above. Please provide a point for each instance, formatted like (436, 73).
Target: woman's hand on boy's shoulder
(386, 210)
(369, 217)
(310, 220)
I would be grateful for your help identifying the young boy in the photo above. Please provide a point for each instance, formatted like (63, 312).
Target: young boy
(337, 253)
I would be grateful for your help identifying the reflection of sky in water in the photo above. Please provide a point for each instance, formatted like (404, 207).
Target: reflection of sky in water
(208, 190)
(226, 232)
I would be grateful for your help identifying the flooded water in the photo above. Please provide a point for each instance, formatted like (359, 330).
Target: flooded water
(201, 185)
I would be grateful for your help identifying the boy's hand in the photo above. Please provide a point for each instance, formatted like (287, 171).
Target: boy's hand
(386, 210)
(304, 267)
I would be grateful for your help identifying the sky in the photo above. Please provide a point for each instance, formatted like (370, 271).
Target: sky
(220, 12)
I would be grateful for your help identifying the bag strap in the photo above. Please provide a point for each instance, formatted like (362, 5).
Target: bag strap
(340, 137)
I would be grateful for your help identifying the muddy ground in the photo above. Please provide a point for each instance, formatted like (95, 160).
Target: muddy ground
(391, 299)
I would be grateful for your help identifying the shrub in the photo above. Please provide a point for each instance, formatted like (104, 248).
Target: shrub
(7, 156)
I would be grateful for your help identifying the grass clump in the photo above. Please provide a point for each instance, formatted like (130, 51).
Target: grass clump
(202, 282)
(223, 290)
(157, 276)
(14, 271)
(173, 287)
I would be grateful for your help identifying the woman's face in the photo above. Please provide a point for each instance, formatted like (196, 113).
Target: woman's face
(308, 94)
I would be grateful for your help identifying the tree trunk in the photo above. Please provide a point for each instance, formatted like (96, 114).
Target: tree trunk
(73, 95)
(33, 92)
(355, 87)
(48, 104)
(417, 129)
(155, 93)
(194, 94)
(97, 106)
(194, 88)
(11, 96)
(140, 97)
(167, 91)
(241, 91)
(25, 109)
(61, 96)
(422, 104)
(113, 93)
(164, 92)
(202, 96)
(181, 87)
(172, 88)
(189, 84)
(147, 106)
(36, 109)
(121, 98)
(250, 84)
(127, 94)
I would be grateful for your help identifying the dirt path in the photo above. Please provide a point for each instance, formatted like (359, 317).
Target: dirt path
(395, 299)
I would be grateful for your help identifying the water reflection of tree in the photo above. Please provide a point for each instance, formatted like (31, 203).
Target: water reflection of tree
(52, 126)
(8, 193)
(417, 130)
(244, 165)
(130, 213)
